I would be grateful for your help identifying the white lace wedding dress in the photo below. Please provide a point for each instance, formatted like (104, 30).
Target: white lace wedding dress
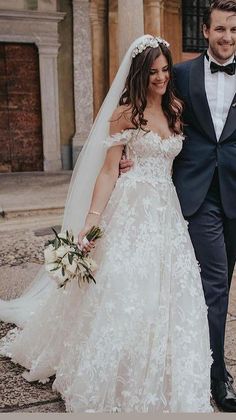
(137, 341)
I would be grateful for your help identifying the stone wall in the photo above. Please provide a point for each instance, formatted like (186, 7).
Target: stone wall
(21, 145)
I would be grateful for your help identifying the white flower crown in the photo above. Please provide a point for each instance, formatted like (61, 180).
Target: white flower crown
(152, 42)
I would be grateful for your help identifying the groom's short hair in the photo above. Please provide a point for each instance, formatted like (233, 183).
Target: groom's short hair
(223, 5)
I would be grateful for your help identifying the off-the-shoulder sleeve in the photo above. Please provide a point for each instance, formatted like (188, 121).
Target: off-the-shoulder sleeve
(118, 139)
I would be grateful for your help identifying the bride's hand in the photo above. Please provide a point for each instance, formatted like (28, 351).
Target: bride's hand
(88, 246)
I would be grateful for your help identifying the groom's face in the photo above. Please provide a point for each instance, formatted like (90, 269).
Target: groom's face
(221, 35)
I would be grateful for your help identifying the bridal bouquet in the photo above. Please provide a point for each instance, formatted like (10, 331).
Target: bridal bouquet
(65, 261)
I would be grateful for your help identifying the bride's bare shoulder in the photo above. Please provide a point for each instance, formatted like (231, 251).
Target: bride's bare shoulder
(120, 119)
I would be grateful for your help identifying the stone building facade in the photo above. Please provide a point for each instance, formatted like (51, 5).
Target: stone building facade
(57, 60)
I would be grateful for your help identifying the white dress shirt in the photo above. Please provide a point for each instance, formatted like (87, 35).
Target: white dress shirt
(220, 90)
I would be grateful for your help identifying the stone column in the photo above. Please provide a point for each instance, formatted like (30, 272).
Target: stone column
(172, 25)
(50, 107)
(113, 45)
(153, 14)
(163, 17)
(130, 23)
(83, 88)
(99, 22)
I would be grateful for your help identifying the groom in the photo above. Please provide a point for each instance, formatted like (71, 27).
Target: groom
(205, 175)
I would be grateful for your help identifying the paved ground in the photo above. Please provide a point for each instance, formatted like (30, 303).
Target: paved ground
(31, 204)
(23, 232)
(33, 190)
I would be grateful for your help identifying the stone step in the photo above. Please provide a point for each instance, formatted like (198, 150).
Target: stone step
(31, 220)
(30, 211)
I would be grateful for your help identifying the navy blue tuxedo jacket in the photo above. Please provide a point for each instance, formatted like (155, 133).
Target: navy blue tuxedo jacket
(194, 167)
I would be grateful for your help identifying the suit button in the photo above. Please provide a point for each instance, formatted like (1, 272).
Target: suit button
(219, 146)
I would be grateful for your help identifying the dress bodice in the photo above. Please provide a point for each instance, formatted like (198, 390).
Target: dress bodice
(152, 156)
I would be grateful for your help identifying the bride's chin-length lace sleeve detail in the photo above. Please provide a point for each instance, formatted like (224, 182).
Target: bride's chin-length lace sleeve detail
(118, 139)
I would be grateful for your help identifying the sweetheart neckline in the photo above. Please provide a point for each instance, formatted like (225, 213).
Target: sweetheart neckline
(173, 135)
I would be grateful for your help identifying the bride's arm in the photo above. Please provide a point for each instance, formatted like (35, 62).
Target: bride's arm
(103, 188)
(105, 183)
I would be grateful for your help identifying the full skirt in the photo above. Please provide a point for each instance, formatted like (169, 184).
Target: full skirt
(138, 339)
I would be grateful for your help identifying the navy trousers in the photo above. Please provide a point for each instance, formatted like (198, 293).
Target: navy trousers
(214, 239)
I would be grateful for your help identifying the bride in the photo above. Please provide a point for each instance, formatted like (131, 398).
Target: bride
(138, 340)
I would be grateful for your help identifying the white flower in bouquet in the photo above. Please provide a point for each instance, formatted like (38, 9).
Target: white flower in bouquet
(82, 268)
(62, 235)
(51, 266)
(71, 268)
(60, 274)
(49, 254)
(62, 251)
(65, 260)
(91, 264)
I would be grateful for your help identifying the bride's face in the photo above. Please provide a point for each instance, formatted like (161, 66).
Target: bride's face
(159, 76)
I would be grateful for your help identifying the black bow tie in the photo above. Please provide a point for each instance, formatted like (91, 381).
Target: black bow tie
(229, 68)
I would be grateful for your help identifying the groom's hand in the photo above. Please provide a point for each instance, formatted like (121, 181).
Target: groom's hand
(125, 165)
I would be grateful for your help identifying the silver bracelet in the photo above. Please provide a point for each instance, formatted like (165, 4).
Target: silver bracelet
(94, 212)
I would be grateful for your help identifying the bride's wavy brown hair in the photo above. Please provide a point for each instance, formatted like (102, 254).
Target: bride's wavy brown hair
(136, 85)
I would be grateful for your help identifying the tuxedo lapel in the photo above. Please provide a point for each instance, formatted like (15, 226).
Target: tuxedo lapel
(230, 125)
(199, 98)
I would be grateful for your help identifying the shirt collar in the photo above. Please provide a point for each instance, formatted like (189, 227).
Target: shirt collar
(230, 60)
